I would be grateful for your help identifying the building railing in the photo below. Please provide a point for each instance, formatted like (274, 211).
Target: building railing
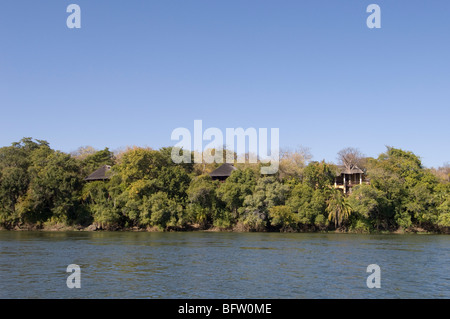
(352, 183)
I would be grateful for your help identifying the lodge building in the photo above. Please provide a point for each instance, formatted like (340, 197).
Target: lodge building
(349, 177)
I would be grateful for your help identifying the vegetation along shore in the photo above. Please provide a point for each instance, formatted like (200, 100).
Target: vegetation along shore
(142, 189)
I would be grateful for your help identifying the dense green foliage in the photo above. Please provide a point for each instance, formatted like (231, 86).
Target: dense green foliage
(42, 187)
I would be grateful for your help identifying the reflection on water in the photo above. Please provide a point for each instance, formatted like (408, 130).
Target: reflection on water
(222, 265)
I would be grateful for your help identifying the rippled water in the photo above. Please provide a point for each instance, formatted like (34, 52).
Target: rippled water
(222, 265)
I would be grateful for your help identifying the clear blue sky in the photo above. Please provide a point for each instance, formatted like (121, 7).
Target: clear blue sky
(136, 70)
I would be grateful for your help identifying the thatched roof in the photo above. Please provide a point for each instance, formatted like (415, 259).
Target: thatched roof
(224, 170)
(100, 175)
(351, 170)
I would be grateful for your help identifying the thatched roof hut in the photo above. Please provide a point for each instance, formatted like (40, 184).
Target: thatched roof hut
(349, 177)
(101, 174)
(222, 172)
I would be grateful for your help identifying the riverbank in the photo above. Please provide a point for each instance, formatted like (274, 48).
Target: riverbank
(198, 228)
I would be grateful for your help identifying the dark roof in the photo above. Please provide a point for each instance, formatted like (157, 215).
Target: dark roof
(100, 175)
(223, 170)
(350, 170)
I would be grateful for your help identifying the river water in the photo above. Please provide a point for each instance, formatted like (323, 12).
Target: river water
(222, 265)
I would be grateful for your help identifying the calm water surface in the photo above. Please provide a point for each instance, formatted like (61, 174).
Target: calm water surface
(222, 265)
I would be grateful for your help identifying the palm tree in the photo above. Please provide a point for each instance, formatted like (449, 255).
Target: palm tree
(338, 208)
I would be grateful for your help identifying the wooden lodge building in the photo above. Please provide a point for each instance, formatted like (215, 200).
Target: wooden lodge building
(349, 177)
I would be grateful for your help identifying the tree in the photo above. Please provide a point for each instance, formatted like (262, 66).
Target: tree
(350, 157)
(14, 180)
(140, 163)
(161, 211)
(442, 173)
(283, 218)
(100, 204)
(338, 208)
(28, 145)
(319, 175)
(174, 181)
(420, 205)
(407, 186)
(130, 200)
(15, 175)
(293, 162)
(268, 192)
(300, 200)
(442, 198)
(95, 159)
(367, 204)
(55, 183)
(236, 188)
(202, 199)
(444, 214)
(83, 151)
(166, 154)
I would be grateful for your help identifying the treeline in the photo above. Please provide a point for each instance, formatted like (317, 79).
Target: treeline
(41, 187)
